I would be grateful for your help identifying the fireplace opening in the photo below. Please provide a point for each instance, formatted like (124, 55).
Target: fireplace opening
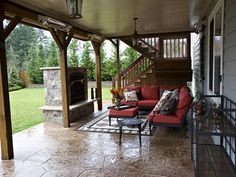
(77, 89)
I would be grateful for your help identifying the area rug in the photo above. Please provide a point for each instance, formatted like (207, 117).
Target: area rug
(101, 124)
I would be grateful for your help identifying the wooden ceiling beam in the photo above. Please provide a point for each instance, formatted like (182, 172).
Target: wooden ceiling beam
(31, 17)
(169, 34)
(11, 26)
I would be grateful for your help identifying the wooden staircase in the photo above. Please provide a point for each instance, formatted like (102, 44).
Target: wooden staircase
(140, 72)
(165, 60)
(149, 47)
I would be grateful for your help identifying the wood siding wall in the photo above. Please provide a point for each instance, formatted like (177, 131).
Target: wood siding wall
(229, 61)
(229, 58)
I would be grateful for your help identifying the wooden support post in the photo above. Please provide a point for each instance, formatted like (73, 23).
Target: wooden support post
(161, 48)
(96, 47)
(5, 114)
(117, 45)
(118, 62)
(63, 40)
(189, 46)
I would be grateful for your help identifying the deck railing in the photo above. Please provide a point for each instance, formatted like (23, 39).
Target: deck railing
(133, 71)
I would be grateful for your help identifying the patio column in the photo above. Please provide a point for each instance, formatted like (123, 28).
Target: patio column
(62, 40)
(96, 46)
(5, 114)
(117, 45)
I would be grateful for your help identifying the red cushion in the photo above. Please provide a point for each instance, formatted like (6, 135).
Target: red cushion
(150, 92)
(165, 119)
(184, 103)
(131, 112)
(147, 103)
(133, 88)
(133, 103)
(168, 87)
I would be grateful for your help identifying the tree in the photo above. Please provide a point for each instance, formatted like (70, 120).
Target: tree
(41, 54)
(14, 79)
(73, 58)
(20, 40)
(87, 61)
(36, 61)
(53, 55)
(109, 67)
(128, 56)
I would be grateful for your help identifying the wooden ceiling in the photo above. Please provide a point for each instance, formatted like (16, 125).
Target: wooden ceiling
(113, 18)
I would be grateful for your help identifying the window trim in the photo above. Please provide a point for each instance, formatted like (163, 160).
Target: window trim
(220, 4)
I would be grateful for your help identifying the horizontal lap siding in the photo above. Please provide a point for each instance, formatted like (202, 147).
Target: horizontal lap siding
(229, 70)
(229, 60)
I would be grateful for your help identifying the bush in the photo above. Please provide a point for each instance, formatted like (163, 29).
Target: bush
(15, 88)
(14, 79)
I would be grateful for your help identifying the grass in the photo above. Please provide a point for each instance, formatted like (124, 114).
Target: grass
(25, 103)
(24, 108)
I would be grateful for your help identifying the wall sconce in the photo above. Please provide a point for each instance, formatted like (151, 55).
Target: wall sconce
(74, 8)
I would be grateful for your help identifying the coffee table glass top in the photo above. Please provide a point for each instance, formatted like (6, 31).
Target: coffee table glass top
(123, 106)
(129, 122)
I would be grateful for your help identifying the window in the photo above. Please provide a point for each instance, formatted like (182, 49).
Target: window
(215, 24)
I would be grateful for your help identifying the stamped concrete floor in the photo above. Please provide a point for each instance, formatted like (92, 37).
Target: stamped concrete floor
(49, 150)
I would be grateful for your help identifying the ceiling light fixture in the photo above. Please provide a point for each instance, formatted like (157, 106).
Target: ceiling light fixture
(58, 25)
(135, 35)
(74, 8)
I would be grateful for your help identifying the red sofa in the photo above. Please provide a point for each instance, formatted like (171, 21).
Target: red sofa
(148, 95)
(176, 119)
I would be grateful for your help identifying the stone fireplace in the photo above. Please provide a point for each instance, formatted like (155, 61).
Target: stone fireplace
(80, 105)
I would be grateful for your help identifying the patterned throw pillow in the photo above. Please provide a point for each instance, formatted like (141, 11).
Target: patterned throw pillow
(165, 96)
(131, 96)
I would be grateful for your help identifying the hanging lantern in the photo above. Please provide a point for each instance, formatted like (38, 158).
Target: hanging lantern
(74, 8)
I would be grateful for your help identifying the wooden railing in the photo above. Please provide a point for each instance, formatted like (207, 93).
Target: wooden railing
(133, 71)
(174, 48)
(151, 42)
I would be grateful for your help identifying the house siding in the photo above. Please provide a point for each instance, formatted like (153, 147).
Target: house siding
(229, 61)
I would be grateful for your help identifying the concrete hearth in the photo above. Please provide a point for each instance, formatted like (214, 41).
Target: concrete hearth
(52, 110)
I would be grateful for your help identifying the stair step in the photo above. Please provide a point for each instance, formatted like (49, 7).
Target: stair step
(137, 81)
(149, 72)
(143, 77)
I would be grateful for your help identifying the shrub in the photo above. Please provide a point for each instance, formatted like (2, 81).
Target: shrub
(14, 79)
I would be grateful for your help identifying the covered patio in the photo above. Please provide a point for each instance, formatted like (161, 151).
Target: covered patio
(162, 34)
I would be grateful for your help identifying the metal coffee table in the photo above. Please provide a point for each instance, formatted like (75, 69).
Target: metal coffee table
(130, 122)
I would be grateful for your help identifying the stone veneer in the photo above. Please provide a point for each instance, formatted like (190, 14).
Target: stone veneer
(52, 110)
(52, 86)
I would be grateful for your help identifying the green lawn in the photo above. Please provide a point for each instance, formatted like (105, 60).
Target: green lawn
(25, 103)
(24, 108)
